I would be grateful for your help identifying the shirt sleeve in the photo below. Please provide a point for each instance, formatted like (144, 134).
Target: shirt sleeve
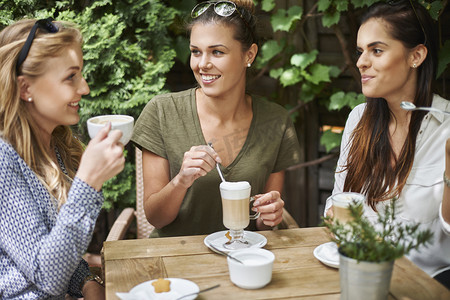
(289, 152)
(48, 256)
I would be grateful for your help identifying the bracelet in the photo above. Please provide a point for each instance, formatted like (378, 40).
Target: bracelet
(446, 180)
(95, 278)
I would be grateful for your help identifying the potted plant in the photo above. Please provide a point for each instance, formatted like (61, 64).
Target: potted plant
(367, 251)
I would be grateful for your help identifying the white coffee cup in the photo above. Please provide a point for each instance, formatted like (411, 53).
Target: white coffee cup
(341, 202)
(256, 270)
(123, 123)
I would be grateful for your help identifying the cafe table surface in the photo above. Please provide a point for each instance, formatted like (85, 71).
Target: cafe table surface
(297, 274)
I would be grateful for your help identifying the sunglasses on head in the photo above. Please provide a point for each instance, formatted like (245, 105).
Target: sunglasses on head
(222, 8)
(45, 24)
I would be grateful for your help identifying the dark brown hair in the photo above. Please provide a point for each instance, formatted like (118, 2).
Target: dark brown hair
(244, 24)
(369, 163)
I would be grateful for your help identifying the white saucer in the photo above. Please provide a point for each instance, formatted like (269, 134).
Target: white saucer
(327, 254)
(146, 291)
(217, 239)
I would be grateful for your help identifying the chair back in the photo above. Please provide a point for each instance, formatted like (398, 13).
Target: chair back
(144, 228)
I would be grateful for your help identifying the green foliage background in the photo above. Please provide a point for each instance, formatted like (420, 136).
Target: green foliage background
(130, 46)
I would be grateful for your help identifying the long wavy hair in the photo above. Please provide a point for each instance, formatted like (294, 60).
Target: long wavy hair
(369, 164)
(16, 124)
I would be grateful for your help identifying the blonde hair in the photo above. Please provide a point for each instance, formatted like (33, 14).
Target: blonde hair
(16, 124)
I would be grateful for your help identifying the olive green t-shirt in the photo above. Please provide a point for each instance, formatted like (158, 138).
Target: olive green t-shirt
(169, 126)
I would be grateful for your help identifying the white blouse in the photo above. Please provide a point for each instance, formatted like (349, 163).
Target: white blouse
(421, 198)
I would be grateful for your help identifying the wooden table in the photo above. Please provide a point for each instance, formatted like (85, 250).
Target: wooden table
(297, 274)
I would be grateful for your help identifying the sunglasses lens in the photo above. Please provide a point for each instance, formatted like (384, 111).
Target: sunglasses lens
(199, 9)
(224, 9)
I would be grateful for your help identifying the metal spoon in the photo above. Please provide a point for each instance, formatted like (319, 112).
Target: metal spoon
(217, 166)
(225, 254)
(201, 291)
(410, 106)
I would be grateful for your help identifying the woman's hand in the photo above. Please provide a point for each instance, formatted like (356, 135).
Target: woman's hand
(270, 206)
(197, 162)
(102, 159)
(93, 291)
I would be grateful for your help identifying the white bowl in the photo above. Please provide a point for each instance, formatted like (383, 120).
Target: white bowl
(123, 123)
(256, 272)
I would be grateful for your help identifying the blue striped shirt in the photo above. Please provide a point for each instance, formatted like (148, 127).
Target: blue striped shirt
(40, 248)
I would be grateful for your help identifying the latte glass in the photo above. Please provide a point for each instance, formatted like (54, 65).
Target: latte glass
(236, 212)
(341, 202)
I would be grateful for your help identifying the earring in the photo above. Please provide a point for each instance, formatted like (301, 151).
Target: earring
(414, 66)
(249, 65)
(30, 99)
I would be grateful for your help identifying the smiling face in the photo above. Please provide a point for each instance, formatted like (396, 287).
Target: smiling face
(217, 60)
(385, 64)
(57, 93)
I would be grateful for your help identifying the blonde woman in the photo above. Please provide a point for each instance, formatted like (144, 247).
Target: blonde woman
(49, 189)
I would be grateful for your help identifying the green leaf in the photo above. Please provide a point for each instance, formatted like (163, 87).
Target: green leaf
(330, 140)
(434, 8)
(337, 101)
(268, 5)
(330, 18)
(290, 77)
(269, 50)
(276, 73)
(342, 5)
(444, 58)
(323, 5)
(303, 60)
(334, 71)
(318, 73)
(282, 20)
(341, 99)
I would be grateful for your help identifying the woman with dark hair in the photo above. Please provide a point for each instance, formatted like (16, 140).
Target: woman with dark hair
(252, 139)
(387, 152)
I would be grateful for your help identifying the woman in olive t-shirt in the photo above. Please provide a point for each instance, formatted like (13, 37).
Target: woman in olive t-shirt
(254, 140)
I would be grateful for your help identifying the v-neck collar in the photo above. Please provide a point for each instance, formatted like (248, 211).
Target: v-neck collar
(201, 137)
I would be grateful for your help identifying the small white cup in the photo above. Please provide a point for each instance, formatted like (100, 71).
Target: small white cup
(123, 123)
(256, 270)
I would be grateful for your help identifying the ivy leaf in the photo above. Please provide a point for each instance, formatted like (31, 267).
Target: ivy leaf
(342, 5)
(337, 101)
(270, 49)
(303, 60)
(444, 58)
(334, 71)
(282, 20)
(290, 77)
(318, 73)
(267, 5)
(309, 91)
(331, 18)
(330, 140)
(434, 8)
(356, 100)
(276, 73)
(323, 5)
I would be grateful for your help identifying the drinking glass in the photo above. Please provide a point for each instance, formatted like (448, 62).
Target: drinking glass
(236, 206)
